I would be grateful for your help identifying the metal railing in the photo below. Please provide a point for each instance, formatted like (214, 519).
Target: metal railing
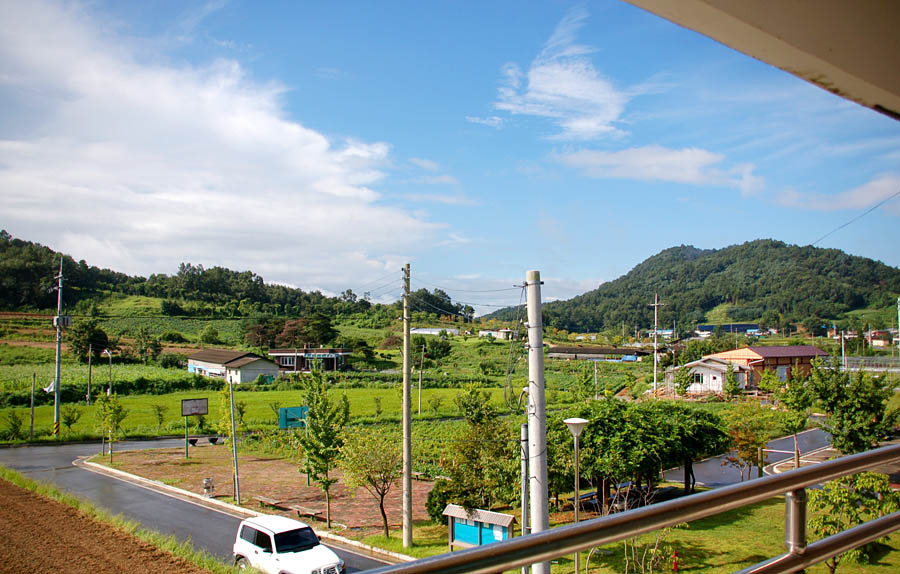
(549, 544)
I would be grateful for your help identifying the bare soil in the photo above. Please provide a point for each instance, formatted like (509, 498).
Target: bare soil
(356, 513)
(42, 535)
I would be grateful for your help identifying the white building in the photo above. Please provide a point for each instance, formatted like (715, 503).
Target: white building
(501, 334)
(232, 366)
(709, 375)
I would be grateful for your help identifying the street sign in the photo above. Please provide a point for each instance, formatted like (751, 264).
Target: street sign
(292, 417)
(194, 407)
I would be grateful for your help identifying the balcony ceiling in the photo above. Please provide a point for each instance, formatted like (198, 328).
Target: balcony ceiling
(850, 48)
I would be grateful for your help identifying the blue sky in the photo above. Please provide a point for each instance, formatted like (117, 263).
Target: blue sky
(323, 145)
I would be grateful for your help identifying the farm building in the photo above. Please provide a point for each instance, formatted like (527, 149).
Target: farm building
(578, 353)
(709, 375)
(778, 359)
(233, 366)
(500, 334)
(305, 359)
(432, 331)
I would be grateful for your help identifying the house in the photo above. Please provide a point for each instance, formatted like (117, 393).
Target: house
(304, 359)
(500, 334)
(778, 359)
(432, 331)
(578, 353)
(232, 366)
(709, 375)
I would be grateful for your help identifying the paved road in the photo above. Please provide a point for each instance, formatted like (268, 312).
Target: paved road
(717, 471)
(208, 529)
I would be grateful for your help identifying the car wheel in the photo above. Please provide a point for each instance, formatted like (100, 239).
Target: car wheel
(241, 563)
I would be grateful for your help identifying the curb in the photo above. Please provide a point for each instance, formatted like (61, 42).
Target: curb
(233, 509)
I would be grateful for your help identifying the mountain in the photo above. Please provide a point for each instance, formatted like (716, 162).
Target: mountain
(763, 281)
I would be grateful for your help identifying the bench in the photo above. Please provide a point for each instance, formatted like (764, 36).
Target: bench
(304, 511)
(266, 501)
(419, 475)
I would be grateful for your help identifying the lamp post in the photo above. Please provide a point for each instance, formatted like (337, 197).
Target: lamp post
(109, 354)
(576, 425)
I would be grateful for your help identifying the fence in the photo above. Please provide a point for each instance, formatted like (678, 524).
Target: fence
(549, 544)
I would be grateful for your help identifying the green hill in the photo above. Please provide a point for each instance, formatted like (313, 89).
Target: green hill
(763, 281)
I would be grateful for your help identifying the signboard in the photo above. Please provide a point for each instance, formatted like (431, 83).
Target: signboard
(292, 417)
(194, 407)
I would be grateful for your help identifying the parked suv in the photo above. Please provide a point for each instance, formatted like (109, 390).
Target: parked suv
(279, 545)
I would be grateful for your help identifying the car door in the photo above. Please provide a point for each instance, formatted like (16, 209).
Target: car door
(264, 556)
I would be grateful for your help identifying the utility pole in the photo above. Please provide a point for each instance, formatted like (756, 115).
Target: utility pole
(523, 444)
(237, 480)
(58, 321)
(90, 360)
(656, 304)
(421, 362)
(407, 431)
(537, 418)
(843, 356)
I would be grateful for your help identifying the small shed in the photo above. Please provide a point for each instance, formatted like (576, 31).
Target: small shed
(478, 527)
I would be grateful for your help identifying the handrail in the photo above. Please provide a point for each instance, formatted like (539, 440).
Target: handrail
(549, 544)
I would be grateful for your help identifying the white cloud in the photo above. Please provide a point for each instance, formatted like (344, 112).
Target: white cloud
(866, 195)
(656, 163)
(141, 166)
(440, 198)
(562, 85)
(436, 180)
(491, 121)
(426, 164)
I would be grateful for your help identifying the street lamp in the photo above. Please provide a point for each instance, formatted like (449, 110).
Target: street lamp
(576, 425)
(109, 354)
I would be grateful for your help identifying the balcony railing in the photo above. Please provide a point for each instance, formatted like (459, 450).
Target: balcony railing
(549, 544)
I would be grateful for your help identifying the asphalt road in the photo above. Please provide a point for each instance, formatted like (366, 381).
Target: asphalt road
(211, 530)
(716, 471)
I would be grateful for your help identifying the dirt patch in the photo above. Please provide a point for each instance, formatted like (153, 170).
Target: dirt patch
(42, 535)
(272, 478)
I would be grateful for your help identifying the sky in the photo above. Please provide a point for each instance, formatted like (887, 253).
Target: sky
(323, 145)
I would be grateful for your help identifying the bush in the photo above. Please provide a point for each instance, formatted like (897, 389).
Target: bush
(438, 499)
(173, 337)
(12, 425)
(172, 361)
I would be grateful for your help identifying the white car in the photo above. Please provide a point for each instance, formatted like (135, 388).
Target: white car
(279, 545)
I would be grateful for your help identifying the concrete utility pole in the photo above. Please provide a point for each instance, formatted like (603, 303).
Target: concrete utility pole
(57, 396)
(656, 304)
(407, 415)
(237, 479)
(523, 444)
(537, 418)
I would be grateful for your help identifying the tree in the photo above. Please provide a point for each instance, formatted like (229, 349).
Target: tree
(322, 440)
(847, 502)
(69, 415)
(856, 407)
(794, 399)
(111, 413)
(484, 464)
(730, 386)
(372, 460)
(86, 335)
(159, 413)
(684, 378)
(319, 329)
(749, 426)
(209, 335)
(146, 346)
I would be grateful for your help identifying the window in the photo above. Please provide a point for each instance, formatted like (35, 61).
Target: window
(698, 379)
(781, 372)
(296, 540)
(249, 534)
(287, 361)
(263, 541)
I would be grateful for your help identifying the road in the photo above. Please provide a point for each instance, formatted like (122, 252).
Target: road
(716, 471)
(208, 529)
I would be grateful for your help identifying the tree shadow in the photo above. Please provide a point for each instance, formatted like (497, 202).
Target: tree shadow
(731, 516)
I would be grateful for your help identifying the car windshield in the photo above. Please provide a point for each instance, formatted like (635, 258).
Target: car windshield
(295, 540)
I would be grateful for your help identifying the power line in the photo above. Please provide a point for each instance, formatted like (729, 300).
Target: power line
(514, 288)
(860, 216)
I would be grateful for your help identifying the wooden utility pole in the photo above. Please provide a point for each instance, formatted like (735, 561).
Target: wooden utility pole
(407, 414)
